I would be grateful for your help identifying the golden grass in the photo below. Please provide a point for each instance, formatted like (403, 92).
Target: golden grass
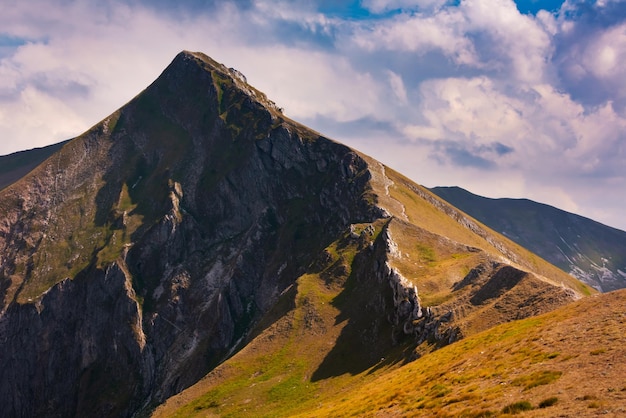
(544, 362)
(523, 361)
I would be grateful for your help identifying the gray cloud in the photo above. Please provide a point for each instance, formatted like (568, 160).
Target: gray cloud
(590, 50)
(463, 157)
(466, 155)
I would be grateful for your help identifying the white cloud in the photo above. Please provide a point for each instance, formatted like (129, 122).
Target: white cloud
(300, 13)
(470, 109)
(605, 54)
(516, 43)
(34, 118)
(397, 87)
(488, 34)
(600, 56)
(590, 47)
(538, 122)
(311, 83)
(420, 33)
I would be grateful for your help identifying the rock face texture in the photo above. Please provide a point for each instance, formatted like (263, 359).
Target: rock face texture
(139, 256)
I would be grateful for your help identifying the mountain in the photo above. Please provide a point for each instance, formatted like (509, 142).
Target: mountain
(591, 252)
(198, 235)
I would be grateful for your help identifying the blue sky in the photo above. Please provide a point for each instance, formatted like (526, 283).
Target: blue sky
(523, 99)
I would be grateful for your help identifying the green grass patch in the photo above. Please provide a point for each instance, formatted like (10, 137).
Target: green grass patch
(517, 407)
(537, 379)
(548, 402)
(438, 391)
(426, 253)
(520, 327)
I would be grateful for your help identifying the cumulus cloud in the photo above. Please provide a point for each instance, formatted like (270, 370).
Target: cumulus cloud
(420, 33)
(597, 60)
(535, 124)
(515, 44)
(590, 45)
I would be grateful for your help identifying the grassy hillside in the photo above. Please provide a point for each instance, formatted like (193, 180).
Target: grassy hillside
(564, 363)
(418, 206)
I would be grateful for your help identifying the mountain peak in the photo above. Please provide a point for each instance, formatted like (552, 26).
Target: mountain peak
(187, 62)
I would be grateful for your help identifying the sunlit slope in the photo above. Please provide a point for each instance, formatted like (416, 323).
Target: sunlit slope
(564, 363)
(416, 205)
(568, 362)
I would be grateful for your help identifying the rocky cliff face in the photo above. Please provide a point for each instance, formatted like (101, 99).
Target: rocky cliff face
(138, 257)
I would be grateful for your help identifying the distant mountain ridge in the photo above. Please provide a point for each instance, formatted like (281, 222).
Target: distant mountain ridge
(588, 250)
(16, 165)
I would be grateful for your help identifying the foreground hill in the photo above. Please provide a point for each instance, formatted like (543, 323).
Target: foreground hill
(588, 250)
(198, 222)
(562, 364)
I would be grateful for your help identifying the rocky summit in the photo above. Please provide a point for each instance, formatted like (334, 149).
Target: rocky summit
(198, 233)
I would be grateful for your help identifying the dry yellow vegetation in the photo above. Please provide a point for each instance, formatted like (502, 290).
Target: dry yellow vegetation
(569, 362)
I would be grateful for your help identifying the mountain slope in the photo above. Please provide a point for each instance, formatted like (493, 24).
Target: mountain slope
(197, 221)
(325, 341)
(588, 250)
(564, 363)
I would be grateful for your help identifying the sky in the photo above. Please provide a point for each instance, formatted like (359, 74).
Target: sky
(522, 99)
